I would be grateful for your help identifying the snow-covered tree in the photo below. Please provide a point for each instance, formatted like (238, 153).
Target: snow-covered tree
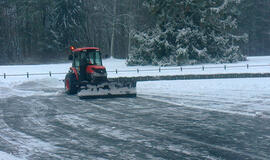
(67, 22)
(189, 32)
(150, 31)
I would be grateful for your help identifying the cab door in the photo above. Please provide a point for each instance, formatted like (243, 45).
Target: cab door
(76, 61)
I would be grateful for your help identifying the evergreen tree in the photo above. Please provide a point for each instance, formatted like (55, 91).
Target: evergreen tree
(160, 32)
(68, 17)
(255, 20)
(189, 32)
(35, 18)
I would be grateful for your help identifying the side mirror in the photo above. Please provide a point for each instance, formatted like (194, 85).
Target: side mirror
(70, 57)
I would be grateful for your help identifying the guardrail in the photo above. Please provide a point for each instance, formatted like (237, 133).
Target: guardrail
(192, 77)
(157, 69)
(181, 68)
(27, 74)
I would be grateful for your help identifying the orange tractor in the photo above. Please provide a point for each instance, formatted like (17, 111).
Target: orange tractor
(88, 77)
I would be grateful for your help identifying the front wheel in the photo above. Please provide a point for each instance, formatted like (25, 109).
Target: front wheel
(71, 84)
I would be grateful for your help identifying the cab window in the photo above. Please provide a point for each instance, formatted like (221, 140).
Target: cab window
(76, 60)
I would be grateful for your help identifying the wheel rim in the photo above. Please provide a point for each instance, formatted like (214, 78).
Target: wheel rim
(67, 85)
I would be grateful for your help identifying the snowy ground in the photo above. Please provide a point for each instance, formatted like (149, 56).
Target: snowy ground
(195, 119)
(114, 64)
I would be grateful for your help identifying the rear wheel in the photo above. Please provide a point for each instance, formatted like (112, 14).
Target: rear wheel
(71, 84)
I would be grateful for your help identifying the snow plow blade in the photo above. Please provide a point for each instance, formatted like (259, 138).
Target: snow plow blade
(110, 89)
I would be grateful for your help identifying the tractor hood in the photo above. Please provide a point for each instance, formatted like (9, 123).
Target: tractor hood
(95, 68)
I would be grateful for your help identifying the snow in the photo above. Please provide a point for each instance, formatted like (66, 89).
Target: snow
(233, 96)
(112, 65)
(32, 69)
(130, 71)
(245, 97)
(6, 156)
(218, 9)
(24, 87)
(19, 85)
(118, 65)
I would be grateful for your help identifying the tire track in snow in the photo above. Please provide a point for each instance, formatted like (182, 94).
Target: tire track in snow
(96, 112)
(104, 121)
(181, 138)
(184, 138)
(201, 108)
(99, 117)
(24, 145)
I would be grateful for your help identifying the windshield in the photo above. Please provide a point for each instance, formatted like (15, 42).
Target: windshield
(92, 56)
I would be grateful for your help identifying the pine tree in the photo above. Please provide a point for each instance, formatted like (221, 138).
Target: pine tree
(67, 23)
(255, 20)
(160, 32)
(189, 32)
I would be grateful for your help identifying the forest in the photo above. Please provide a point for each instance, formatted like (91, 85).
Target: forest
(157, 32)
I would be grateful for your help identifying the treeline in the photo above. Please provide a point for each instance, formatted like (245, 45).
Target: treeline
(192, 32)
(43, 30)
(34, 31)
(255, 21)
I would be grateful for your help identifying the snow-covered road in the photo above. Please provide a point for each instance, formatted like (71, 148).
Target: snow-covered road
(195, 119)
(221, 119)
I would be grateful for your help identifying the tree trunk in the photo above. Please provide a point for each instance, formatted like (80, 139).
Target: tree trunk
(113, 29)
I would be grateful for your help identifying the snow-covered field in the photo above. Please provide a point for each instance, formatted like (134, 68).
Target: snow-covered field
(245, 103)
(122, 70)
(112, 65)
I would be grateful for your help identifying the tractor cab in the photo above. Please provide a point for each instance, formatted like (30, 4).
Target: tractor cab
(91, 55)
(87, 62)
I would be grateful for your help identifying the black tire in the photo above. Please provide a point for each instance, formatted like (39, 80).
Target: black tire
(71, 84)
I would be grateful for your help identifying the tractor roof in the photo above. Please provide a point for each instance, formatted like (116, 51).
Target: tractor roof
(85, 48)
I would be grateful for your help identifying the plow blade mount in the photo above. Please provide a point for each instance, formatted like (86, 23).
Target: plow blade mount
(108, 89)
